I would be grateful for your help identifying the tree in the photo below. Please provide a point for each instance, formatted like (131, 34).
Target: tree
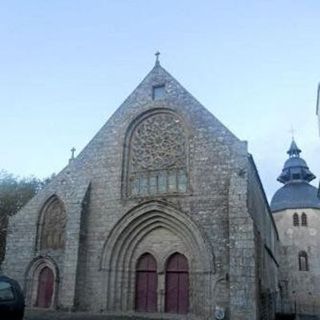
(15, 192)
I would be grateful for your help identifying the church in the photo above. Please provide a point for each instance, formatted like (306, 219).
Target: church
(162, 213)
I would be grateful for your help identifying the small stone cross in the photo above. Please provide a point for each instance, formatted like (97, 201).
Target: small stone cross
(157, 54)
(73, 150)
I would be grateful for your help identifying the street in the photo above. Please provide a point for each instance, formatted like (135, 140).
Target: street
(52, 315)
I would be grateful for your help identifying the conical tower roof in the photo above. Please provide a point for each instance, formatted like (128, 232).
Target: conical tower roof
(296, 192)
(295, 168)
(293, 150)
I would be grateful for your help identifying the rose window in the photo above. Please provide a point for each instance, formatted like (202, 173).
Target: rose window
(158, 156)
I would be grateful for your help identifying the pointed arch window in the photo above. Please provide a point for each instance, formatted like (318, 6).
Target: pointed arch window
(304, 219)
(303, 261)
(295, 219)
(156, 155)
(52, 225)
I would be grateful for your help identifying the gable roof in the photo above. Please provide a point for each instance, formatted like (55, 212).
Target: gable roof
(141, 100)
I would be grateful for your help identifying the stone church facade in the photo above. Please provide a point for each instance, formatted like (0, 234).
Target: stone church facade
(162, 212)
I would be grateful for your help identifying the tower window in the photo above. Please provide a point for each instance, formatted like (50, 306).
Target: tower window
(303, 261)
(304, 219)
(295, 219)
(296, 176)
(158, 92)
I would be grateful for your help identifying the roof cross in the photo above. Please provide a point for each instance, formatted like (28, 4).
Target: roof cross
(157, 54)
(73, 150)
(292, 131)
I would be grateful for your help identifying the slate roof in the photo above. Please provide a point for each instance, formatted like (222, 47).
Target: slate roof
(296, 192)
(295, 195)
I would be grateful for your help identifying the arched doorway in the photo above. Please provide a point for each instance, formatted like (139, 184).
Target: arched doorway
(124, 246)
(146, 284)
(177, 284)
(45, 288)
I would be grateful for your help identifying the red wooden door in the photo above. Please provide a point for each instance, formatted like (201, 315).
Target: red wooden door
(45, 288)
(177, 284)
(146, 284)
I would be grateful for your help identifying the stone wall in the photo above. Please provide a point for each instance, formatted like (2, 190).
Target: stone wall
(267, 245)
(25, 256)
(108, 228)
(210, 162)
(300, 289)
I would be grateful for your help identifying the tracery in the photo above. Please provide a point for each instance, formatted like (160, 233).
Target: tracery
(53, 225)
(158, 157)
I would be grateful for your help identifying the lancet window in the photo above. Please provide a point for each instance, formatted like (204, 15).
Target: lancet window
(303, 261)
(52, 225)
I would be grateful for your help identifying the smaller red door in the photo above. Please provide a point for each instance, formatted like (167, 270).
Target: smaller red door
(45, 288)
(146, 284)
(177, 284)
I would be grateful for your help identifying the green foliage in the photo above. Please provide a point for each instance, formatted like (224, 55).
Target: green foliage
(15, 192)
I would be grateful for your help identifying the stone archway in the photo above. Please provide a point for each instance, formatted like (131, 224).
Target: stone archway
(135, 233)
(42, 280)
(45, 288)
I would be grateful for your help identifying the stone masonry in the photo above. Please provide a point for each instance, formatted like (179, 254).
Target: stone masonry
(162, 177)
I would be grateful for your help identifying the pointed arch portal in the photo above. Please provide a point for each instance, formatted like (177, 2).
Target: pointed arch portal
(42, 281)
(119, 257)
(45, 288)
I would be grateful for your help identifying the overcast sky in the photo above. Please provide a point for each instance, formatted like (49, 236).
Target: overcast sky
(66, 65)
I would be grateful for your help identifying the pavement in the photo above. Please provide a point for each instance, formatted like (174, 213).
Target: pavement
(59, 315)
(74, 316)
